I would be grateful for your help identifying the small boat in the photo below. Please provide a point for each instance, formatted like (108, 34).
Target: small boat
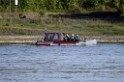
(57, 39)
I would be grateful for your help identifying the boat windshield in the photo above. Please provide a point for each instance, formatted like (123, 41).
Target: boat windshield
(56, 37)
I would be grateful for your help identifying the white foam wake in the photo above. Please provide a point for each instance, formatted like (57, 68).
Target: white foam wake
(91, 42)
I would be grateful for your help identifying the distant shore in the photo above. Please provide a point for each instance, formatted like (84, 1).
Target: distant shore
(31, 39)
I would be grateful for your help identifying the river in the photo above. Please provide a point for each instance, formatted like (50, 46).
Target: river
(29, 63)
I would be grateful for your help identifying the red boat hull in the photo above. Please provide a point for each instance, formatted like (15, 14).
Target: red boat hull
(55, 43)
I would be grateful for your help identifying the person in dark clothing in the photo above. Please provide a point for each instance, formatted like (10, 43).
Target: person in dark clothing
(77, 38)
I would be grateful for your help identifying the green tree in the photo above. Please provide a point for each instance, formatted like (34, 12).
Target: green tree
(90, 4)
(62, 5)
(119, 5)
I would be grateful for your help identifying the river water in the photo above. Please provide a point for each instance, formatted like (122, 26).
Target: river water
(29, 63)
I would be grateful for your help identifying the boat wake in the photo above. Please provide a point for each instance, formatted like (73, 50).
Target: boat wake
(87, 43)
(91, 42)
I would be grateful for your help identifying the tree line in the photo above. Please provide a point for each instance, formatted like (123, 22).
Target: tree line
(63, 5)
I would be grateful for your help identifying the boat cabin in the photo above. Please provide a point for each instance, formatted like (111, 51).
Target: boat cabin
(53, 36)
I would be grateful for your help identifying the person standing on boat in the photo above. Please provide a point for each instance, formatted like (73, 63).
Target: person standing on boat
(72, 37)
(67, 37)
(77, 38)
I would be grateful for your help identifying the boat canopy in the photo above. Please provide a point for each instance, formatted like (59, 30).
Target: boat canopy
(53, 36)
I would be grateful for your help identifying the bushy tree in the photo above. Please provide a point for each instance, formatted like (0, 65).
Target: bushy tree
(61, 5)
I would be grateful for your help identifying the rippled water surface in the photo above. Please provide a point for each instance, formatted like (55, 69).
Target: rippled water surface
(29, 63)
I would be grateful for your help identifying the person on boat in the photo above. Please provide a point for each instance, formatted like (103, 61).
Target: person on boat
(72, 37)
(77, 38)
(67, 37)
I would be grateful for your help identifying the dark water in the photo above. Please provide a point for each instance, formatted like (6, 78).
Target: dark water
(29, 63)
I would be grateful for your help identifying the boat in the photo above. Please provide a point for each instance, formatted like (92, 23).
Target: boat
(57, 39)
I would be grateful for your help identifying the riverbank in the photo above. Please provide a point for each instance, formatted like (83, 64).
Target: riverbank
(85, 24)
(30, 39)
(18, 39)
(29, 26)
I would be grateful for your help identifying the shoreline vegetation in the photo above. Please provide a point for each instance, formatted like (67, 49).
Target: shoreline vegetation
(83, 17)
(97, 23)
(87, 25)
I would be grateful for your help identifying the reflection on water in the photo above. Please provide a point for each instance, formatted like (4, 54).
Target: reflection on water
(29, 63)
